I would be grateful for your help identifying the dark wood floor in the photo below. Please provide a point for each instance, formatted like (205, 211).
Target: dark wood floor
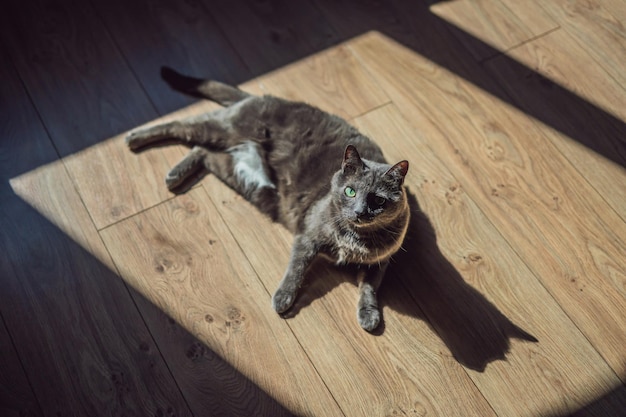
(513, 117)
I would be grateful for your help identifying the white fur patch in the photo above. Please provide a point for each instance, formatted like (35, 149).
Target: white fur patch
(248, 166)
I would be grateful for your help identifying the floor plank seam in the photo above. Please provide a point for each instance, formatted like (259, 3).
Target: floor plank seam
(380, 106)
(19, 357)
(138, 212)
(518, 45)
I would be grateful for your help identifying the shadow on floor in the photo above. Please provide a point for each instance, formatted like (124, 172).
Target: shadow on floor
(83, 346)
(474, 330)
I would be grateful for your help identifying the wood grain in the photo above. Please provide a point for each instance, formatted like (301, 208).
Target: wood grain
(181, 256)
(560, 63)
(490, 292)
(562, 229)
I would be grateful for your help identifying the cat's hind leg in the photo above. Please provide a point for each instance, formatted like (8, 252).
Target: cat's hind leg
(180, 177)
(218, 130)
(243, 168)
(208, 130)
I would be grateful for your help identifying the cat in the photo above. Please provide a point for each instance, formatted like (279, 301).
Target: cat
(301, 167)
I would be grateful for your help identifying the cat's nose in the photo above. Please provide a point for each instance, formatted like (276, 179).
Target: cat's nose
(359, 213)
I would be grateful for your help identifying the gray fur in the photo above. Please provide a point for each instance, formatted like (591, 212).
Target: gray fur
(295, 163)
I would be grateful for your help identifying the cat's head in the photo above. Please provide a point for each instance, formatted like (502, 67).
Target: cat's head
(367, 193)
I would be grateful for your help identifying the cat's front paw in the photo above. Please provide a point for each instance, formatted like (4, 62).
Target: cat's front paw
(282, 300)
(368, 317)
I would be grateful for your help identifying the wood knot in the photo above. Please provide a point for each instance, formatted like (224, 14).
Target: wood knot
(473, 258)
(452, 192)
(495, 191)
(235, 317)
(168, 412)
(190, 206)
(495, 152)
(162, 264)
(117, 211)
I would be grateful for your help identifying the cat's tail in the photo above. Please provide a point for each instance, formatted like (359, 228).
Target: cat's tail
(216, 91)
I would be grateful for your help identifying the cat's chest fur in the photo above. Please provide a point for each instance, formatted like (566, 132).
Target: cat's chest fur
(346, 246)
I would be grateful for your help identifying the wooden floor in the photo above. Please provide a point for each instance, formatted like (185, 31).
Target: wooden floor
(118, 298)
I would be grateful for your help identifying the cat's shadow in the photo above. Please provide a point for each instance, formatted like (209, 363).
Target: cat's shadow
(473, 329)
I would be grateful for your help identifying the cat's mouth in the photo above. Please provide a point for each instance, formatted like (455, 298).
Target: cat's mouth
(363, 220)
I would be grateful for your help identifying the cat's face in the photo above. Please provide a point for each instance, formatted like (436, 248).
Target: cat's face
(368, 193)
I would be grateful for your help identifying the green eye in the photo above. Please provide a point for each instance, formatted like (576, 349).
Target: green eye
(350, 192)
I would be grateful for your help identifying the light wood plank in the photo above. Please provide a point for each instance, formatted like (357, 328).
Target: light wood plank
(181, 256)
(492, 22)
(602, 157)
(517, 178)
(331, 73)
(404, 370)
(557, 375)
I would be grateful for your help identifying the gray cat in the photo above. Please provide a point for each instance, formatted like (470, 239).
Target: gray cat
(300, 166)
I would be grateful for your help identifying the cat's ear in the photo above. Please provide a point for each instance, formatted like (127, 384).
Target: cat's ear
(398, 171)
(351, 161)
